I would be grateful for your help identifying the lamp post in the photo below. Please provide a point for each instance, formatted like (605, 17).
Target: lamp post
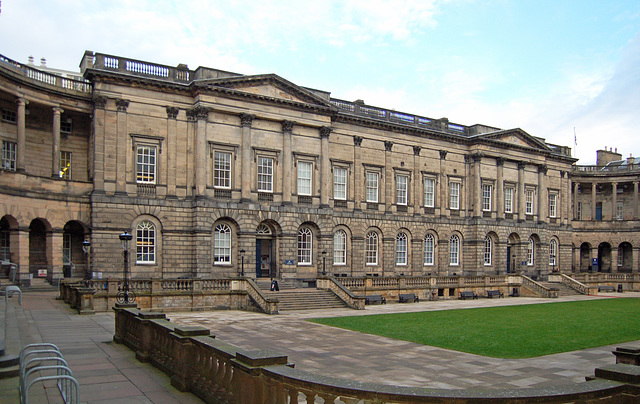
(324, 254)
(242, 262)
(124, 239)
(86, 247)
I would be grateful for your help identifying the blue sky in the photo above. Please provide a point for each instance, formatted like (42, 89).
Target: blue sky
(544, 66)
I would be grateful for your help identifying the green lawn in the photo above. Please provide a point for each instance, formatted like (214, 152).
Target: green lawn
(512, 331)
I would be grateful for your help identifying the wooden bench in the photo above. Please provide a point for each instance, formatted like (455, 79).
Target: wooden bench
(606, 289)
(374, 299)
(468, 295)
(494, 293)
(408, 297)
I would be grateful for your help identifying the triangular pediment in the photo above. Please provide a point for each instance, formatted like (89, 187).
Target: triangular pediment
(516, 137)
(267, 86)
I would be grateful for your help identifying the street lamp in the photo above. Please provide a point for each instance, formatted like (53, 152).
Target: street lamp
(324, 254)
(242, 265)
(86, 247)
(123, 296)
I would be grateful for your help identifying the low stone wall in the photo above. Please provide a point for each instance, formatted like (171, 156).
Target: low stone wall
(219, 372)
(630, 282)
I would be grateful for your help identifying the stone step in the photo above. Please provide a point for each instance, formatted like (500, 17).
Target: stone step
(563, 290)
(306, 299)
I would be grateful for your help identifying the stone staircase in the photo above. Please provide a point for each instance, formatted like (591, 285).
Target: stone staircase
(292, 297)
(563, 290)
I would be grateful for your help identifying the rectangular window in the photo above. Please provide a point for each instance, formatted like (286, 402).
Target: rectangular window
(146, 165)
(553, 204)
(508, 200)
(66, 125)
(265, 174)
(620, 256)
(619, 210)
(9, 116)
(9, 153)
(579, 212)
(66, 249)
(372, 187)
(402, 183)
(305, 171)
(5, 245)
(65, 165)
(454, 195)
(222, 170)
(429, 192)
(340, 183)
(486, 198)
(529, 202)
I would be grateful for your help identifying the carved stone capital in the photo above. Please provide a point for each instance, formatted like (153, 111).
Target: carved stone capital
(388, 145)
(57, 110)
(287, 126)
(476, 157)
(172, 112)
(122, 105)
(542, 168)
(500, 161)
(416, 150)
(325, 131)
(99, 102)
(522, 165)
(443, 154)
(357, 140)
(246, 119)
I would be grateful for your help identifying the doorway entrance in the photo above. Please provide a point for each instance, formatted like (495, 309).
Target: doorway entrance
(265, 256)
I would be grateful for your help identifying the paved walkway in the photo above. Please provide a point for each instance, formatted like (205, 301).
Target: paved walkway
(109, 373)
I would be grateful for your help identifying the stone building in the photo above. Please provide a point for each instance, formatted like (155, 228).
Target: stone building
(216, 174)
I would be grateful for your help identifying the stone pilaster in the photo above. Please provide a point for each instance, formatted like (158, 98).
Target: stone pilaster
(245, 122)
(121, 155)
(499, 208)
(614, 200)
(442, 180)
(358, 178)
(287, 161)
(477, 184)
(521, 191)
(98, 136)
(202, 116)
(635, 199)
(388, 180)
(22, 137)
(543, 194)
(593, 202)
(325, 165)
(172, 149)
(55, 167)
(418, 183)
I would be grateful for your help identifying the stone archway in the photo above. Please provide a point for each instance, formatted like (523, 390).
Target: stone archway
(585, 258)
(604, 257)
(39, 254)
(625, 257)
(513, 252)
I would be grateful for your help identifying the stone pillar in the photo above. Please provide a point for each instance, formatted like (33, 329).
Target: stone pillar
(477, 185)
(54, 253)
(172, 149)
(325, 165)
(543, 194)
(202, 115)
(98, 135)
(22, 137)
(499, 208)
(245, 122)
(418, 183)
(388, 180)
(614, 259)
(635, 199)
(444, 193)
(287, 161)
(358, 178)
(614, 200)
(23, 256)
(55, 167)
(575, 201)
(521, 197)
(568, 201)
(593, 201)
(121, 146)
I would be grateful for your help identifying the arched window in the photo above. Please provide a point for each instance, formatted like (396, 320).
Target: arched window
(488, 246)
(305, 237)
(145, 243)
(222, 244)
(530, 251)
(371, 253)
(553, 252)
(401, 249)
(454, 250)
(428, 249)
(340, 248)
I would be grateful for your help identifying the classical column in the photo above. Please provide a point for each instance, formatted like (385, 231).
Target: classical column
(202, 115)
(477, 184)
(575, 200)
(442, 180)
(635, 199)
(388, 179)
(418, 183)
(23, 256)
(172, 149)
(98, 135)
(22, 137)
(614, 200)
(54, 253)
(358, 178)
(121, 146)
(500, 188)
(55, 168)
(543, 194)
(325, 131)
(245, 122)
(521, 196)
(287, 161)
(593, 201)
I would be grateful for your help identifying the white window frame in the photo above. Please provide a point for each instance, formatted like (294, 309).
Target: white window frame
(486, 197)
(5, 245)
(619, 210)
(146, 164)
(429, 250)
(305, 178)
(9, 155)
(488, 251)
(402, 189)
(529, 198)
(66, 249)
(371, 248)
(553, 252)
(454, 195)
(340, 183)
(429, 192)
(372, 186)
(305, 246)
(265, 171)
(508, 199)
(146, 242)
(579, 212)
(553, 205)
(222, 244)
(454, 250)
(66, 126)
(620, 256)
(340, 247)
(9, 116)
(222, 169)
(65, 165)
(401, 249)
(531, 252)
